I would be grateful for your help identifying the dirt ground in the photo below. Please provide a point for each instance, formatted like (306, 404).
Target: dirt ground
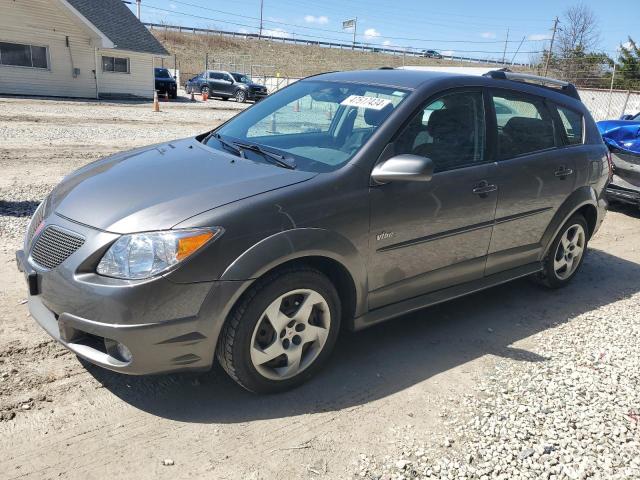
(62, 418)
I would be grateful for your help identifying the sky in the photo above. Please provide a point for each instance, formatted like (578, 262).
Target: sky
(470, 28)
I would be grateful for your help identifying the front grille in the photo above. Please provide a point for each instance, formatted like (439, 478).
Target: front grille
(54, 246)
(37, 217)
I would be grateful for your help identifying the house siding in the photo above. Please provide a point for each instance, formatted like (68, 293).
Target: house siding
(45, 23)
(138, 82)
(48, 23)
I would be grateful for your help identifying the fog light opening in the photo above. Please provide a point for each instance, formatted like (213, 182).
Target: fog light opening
(118, 350)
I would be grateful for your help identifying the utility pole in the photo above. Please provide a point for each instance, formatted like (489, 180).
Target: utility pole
(261, 10)
(553, 37)
(504, 53)
(138, 2)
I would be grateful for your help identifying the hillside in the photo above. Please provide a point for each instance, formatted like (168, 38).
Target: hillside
(271, 58)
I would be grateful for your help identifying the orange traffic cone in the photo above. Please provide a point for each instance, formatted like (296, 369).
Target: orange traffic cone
(156, 105)
(205, 96)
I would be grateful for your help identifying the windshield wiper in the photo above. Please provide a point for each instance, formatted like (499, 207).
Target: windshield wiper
(224, 143)
(275, 158)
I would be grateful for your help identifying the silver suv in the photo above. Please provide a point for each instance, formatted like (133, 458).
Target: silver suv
(341, 201)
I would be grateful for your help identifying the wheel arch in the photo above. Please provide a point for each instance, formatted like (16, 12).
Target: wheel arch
(328, 252)
(584, 201)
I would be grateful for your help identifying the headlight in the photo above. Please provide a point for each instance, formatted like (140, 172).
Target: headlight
(143, 255)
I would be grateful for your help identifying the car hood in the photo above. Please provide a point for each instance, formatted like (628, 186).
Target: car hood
(157, 187)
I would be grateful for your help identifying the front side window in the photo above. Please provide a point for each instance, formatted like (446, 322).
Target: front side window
(115, 64)
(320, 124)
(572, 125)
(241, 78)
(524, 124)
(449, 130)
(19, 55)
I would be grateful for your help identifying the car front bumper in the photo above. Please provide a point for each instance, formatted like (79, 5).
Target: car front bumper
(257, 95)
(166, 326)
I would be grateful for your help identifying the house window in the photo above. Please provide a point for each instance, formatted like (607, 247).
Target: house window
(115, 64)
(20, 55)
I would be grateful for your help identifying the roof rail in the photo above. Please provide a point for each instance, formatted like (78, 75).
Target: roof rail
(566, 88)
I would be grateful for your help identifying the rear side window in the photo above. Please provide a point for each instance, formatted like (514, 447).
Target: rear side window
(524, 124)
(572, 125)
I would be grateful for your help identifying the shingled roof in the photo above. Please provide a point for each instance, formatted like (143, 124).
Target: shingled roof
(119, 24)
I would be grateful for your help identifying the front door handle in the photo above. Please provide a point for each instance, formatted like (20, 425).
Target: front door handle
(562, 172)
(484, 188)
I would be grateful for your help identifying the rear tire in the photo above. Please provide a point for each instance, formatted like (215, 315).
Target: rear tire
(566, 254)
(282, 331)
(204, 90)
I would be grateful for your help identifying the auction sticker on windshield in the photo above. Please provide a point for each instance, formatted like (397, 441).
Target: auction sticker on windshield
(365, 102)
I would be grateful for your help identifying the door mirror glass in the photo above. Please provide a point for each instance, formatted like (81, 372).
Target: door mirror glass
(405, 168)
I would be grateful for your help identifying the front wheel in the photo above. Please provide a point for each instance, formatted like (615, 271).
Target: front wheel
(241, 96)
(566, 254)
(204, 90)
(282, 331)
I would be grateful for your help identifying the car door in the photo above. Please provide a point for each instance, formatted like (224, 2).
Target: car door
(227, 84)
(430, 235)
(536, 174)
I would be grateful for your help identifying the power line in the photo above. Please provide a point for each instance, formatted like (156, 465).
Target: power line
(409, 39)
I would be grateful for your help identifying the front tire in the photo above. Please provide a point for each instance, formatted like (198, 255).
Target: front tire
(282, 331)
(204, 90)
(566, 254)
(241, 96)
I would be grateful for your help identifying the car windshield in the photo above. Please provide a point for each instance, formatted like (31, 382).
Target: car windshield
(162, 73)
(238, 77)
(319, 125)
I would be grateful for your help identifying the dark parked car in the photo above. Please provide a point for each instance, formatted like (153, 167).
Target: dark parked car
(343, 200)
(165, 83)
(431, 54)
(623, 139)
(226, 85)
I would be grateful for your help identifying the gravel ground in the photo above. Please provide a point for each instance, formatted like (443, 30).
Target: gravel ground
(514, 382)
(572, 413)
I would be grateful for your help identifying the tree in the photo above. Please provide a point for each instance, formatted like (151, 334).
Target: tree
(629, 65)
(575, 56)
(578, 31)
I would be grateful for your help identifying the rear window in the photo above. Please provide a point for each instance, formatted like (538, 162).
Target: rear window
(572, 125)
(524, 124)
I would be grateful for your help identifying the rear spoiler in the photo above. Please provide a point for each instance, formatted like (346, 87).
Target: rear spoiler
(561, 86)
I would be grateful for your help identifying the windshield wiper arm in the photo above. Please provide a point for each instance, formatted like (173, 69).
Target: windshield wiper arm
(276, 158)
(228, 145)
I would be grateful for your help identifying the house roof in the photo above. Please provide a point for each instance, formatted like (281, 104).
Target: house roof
(116, 22)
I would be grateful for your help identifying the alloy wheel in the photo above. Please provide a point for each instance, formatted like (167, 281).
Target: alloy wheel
(569, 252)
(290, 334)
(240, 96)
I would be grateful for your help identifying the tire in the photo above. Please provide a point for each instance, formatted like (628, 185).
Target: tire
(205, 89)
(240, 96)
(187, 89)
(562, 262)
(261, 359)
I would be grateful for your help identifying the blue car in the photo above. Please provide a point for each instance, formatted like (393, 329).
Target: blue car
(623, 139)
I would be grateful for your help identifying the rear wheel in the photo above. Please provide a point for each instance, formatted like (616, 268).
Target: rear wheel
(187, 88)
(566, 254)
(282, 331)
(204, 89)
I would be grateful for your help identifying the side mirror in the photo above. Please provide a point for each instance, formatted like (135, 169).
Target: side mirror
(404, 168)
(626, 117)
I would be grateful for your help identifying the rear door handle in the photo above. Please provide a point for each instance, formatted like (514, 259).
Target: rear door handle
(563, 172)
(484, 188)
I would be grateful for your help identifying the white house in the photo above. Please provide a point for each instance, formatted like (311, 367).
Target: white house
(75, 48)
